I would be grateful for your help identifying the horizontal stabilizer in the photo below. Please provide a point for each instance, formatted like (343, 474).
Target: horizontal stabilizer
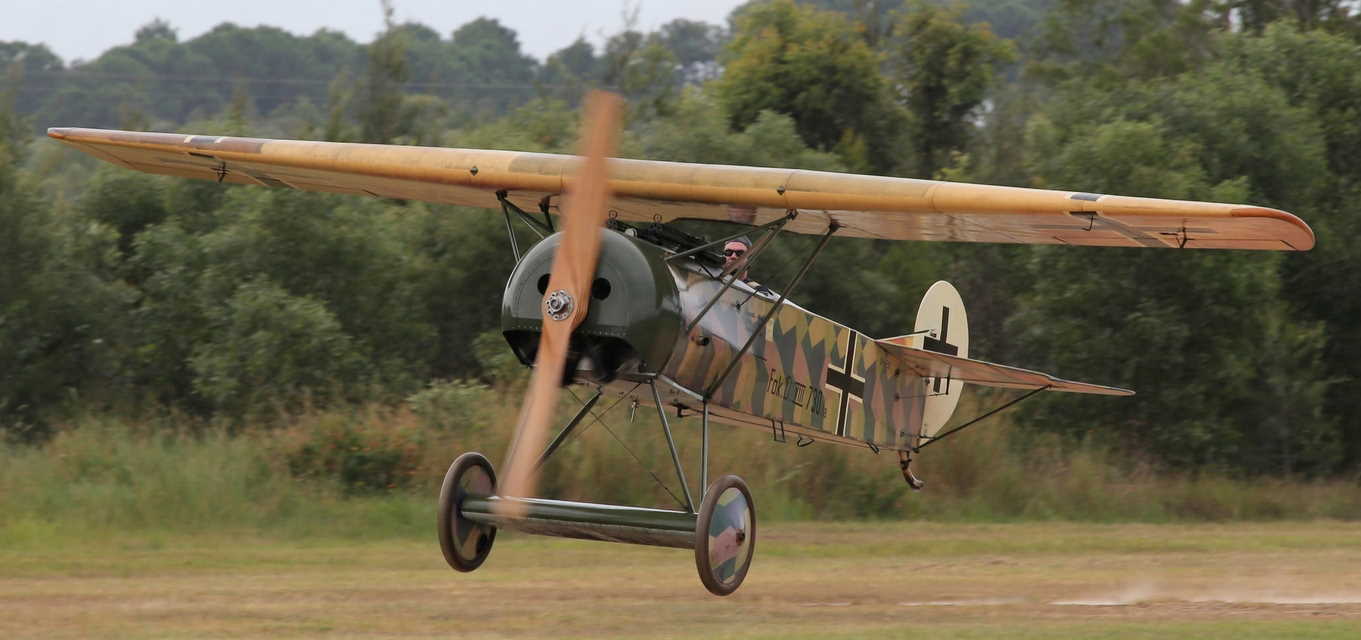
(931, 364)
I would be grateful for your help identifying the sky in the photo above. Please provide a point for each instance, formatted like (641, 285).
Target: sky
(82, 29)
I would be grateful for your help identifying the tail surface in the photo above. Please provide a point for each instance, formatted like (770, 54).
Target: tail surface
(942, 326)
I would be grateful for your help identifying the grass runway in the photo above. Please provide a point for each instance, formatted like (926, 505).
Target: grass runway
(808, 580)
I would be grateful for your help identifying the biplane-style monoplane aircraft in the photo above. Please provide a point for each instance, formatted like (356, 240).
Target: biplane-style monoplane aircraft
(639, 311)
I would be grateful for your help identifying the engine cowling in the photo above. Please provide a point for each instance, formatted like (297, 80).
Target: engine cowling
(634, 316)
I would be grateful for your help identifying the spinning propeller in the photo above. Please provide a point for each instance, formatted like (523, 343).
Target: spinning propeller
(568, 296)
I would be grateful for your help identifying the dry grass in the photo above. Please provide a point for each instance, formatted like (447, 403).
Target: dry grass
(809, 581)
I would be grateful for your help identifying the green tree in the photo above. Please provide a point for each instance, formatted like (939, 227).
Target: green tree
(27, 70)
(1255, 15)
(649, 69)
(12, 126)
(126, 201)
(344, 252)
(1184, 329)
(62, 308)
(381, 95)
(943, 71)
(569, 72)
(339, 97)
(643, 70)
(813, 66)
(697, 131)
(269, 346)
(1014, 20)
(352, 257)
(1320, 74)
(460, 261)
(479, 72)
(696, 46)
(490, 52)
(1106, 42)
(874, 17)
(172, 316)
(275, 67)
(33, 58)
(542, 125)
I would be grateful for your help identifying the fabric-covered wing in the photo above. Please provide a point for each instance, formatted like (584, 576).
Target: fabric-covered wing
(865, 206)
(931, 364)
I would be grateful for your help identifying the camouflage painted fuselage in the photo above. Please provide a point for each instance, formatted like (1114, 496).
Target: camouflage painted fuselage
(804, 374)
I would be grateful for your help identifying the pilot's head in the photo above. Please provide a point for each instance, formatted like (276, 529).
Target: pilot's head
(735, 254)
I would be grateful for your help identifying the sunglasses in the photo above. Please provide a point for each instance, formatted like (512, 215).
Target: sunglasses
(734, 252)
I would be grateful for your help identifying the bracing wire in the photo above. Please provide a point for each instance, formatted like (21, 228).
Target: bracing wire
(596, 419)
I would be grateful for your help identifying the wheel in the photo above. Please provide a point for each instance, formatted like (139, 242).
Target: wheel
(725, 535)
(465, 543)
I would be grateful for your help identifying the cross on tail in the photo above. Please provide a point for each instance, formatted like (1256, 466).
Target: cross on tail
(942, 344)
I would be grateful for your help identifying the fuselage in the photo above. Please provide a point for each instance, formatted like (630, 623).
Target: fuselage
(802, 375)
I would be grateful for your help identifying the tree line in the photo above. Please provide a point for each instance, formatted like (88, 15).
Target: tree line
(121, 291)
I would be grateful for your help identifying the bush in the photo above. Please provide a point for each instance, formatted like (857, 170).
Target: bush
(458, 406)
(362, 453)
(270, 345)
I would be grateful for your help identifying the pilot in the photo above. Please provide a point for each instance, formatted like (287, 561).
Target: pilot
(735, 262)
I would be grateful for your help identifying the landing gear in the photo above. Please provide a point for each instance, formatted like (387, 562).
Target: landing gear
(725, 535)
(721, 532)
(465, 543)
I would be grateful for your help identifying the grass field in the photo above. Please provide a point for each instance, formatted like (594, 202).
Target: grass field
(809, 580)
(162, 529)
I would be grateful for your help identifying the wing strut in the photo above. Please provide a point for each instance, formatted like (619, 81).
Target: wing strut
(510, 231)
(539, 228)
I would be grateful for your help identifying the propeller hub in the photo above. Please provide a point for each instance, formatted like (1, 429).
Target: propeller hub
(559, 304)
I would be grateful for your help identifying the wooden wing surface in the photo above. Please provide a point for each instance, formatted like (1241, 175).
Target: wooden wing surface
(865, 206)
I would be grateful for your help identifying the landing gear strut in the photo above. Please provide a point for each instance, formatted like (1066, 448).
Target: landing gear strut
(722, 532)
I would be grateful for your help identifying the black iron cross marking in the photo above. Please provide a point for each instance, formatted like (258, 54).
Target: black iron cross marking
(941, 344)
(844, 381)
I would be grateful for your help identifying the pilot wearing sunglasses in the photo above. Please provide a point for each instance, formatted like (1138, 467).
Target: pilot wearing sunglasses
(735, 262)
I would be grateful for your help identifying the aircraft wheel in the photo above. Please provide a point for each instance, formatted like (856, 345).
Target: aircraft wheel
(725, 535)
(465, 543)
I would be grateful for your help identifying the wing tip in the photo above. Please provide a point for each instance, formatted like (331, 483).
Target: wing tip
(1304, 243)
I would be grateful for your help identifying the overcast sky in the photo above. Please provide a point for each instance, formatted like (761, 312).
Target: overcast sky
(82, 29)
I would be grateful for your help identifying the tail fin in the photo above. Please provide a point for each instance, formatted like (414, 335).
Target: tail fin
(942, 326)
